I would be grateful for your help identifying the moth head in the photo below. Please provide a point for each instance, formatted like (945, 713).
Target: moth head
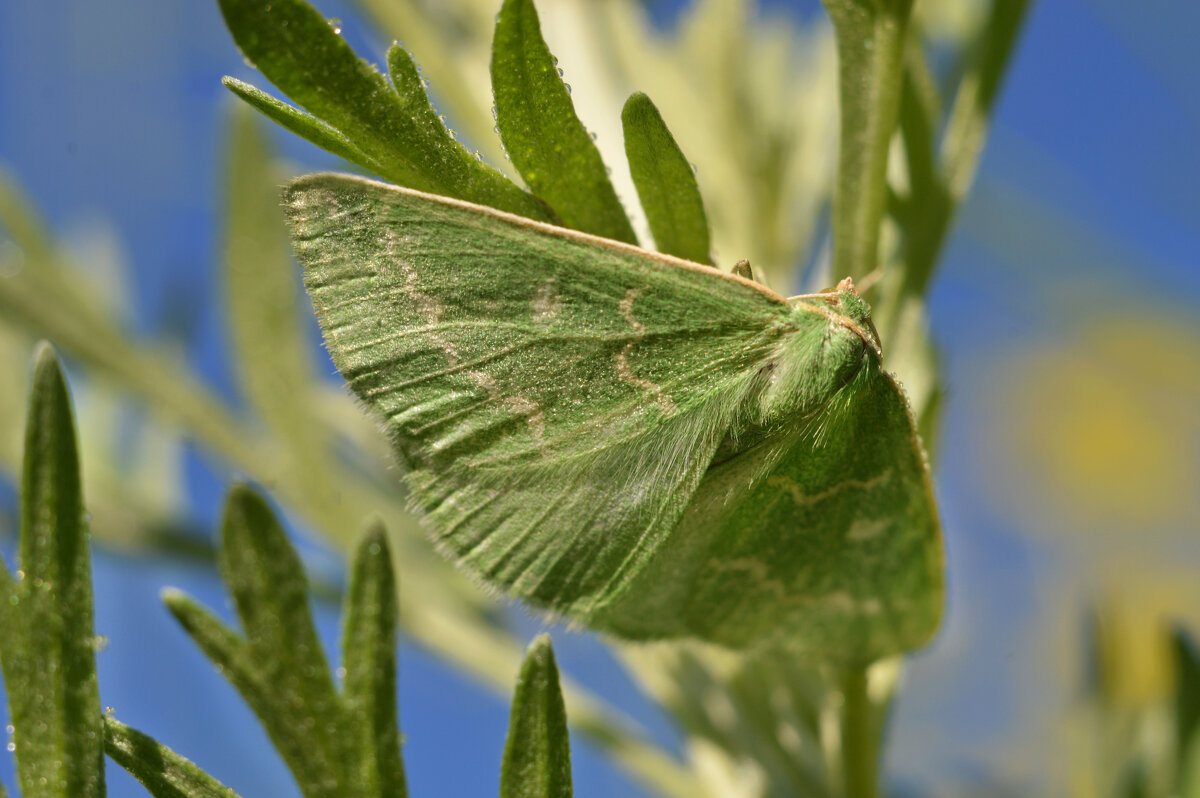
(843, 300)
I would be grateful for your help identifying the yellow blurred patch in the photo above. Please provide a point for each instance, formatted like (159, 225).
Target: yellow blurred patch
(1101, 433)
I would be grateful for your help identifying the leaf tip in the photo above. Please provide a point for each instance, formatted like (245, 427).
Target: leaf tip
(173, 597)
(46, 365)
(541, 650)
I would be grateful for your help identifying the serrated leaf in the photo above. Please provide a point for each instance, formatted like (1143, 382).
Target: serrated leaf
(47, 651)
(545, 139)
(665, 182)
(164, 773)
(369, 658)
(297, 50)
(537, 753)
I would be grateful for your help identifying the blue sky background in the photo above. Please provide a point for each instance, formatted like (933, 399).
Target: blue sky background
(1087, 211)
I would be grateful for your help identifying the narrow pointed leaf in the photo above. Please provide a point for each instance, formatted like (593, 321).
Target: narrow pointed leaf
(48, 651)
(476, 181)
(238, 663)
(270, 593)
(369, 657)
(545, 139)
(227, 650)
(164, 773)
(302, 124)
(665, 183)
(537, 753)
(298, 51)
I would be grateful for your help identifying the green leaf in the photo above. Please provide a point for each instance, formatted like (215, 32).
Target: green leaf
(1187, 700)
(298, 122)
(270, 593)
(369, 657)
(278, 667)
(336, 745)
(870, 41)
(665, 183)
(545, 139)
(46, 641)
(297, 50)
(228, 651)
(650, 446)
(537, 753)
(164, 773)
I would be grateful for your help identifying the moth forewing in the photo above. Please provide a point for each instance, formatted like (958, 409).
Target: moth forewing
(648, 445)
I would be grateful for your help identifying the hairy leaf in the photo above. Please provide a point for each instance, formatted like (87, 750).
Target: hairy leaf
(298, 122)
(46, 642)
(369, 658)
(545, 139)
(270, 593)
(665, 183)
(650, 446)
(164, 773)
(537, 753)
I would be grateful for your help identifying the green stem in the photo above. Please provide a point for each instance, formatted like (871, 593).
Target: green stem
(962, 145)
(870, 41)
(860, 737)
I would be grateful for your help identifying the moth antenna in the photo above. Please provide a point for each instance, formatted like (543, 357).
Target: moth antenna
(868, 281)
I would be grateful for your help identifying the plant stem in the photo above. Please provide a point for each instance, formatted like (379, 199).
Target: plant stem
(860, 737)
(962, 144)
(870, 42)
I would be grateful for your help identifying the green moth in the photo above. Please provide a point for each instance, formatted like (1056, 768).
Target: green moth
(649, 446)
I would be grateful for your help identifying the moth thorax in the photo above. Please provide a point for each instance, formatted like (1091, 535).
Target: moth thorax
(810, 368)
